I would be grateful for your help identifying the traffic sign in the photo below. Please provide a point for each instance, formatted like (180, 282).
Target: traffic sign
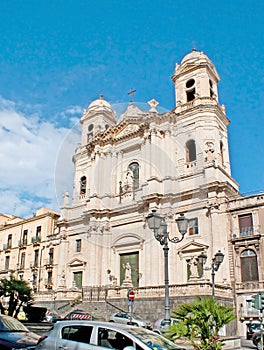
(131, 295)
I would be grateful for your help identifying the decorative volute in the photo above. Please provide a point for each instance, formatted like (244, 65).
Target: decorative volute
(195, 77)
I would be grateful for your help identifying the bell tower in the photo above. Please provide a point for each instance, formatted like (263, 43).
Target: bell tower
(98, 117)
(201, 121)
(195, 77)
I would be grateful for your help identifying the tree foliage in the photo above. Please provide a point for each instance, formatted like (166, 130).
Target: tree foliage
(17, 292)
(200, 322)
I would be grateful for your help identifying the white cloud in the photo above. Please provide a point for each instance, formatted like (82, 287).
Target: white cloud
(28, 154)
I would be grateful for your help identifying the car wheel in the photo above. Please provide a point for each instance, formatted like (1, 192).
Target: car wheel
(111, 321)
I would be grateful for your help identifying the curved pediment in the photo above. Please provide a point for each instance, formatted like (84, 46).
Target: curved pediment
(128, 240)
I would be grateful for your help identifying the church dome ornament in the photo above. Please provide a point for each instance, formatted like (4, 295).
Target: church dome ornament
(99, 103)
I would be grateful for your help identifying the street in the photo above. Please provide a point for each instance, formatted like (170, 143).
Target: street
(247, 344)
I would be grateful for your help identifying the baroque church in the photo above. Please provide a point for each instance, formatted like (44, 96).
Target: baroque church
(173, 163)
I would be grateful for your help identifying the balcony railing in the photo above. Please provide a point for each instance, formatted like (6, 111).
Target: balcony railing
(34, 266)
(48, 263)
(48, 283)
(251, 286)
(22, 243)
(6, 246)
(36, 240)
(250, 231)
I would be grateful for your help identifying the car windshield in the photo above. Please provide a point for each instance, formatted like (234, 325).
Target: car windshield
(10, 324)
(153, 341)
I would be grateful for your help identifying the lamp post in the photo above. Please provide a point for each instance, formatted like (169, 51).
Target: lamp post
(158, 225)
(215, 264)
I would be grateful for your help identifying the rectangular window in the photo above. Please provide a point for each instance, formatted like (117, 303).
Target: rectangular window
(25, 237)
(78, 245)
(49, 277)
(51, 256)
(9, 241)
(7, 262)
(245, 225)
(22, 260)
(38, 231)
(193, 227)
(36, 257)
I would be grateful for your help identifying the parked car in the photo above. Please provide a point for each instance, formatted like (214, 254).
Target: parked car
(14, 335)
(159, 326)
(78, 315)
(256, 339)
(84, 335)
(125, 318)
(252, 328)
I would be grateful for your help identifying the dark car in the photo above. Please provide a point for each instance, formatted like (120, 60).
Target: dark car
(256, 339)
(78, 315)
(14, 335)
(252, 328)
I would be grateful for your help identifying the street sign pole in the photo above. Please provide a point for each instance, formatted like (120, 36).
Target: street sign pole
(130, 301)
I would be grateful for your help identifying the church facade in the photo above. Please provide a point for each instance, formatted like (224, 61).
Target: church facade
(174, 162)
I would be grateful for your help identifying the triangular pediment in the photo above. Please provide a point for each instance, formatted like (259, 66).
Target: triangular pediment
(119, 132)
(127, 130)
(192, 248)
(76, 262)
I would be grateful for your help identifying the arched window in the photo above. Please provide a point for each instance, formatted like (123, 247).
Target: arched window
(134, 168)
(222, 152)
(190, 90)
(90, 132)
(211, 88)
(190, 151)
(249, 266)
(83, 185)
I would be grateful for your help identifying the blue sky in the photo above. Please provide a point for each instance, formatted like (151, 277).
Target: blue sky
(58, 56)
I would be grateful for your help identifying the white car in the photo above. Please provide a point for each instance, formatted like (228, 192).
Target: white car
(125, 318)
(85, 335)
(159, 326)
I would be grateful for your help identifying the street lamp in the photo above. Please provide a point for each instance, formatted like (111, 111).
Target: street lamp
(158, 225)
(215, 264)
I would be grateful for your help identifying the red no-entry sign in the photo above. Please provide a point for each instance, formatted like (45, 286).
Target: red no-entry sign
(131, 295)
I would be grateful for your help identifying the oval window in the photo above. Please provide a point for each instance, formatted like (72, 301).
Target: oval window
(190, 83)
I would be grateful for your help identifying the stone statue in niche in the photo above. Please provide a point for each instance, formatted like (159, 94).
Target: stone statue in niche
(127, 282)
(209, 150)
(127, 268)
(129, 177)
(192, 264)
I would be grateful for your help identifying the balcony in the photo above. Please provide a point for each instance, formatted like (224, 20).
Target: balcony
(33, 266)
(48, 284)
(48, 263)
(250, 287)
(36, 240)
(7, 247)
(22, 243)
(20, 267)
(247, 233)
